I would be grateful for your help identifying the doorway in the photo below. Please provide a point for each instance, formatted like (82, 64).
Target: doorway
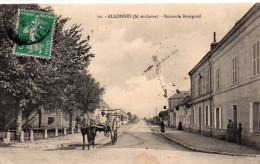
(235, 116)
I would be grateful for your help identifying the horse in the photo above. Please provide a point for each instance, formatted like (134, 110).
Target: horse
(86, 126)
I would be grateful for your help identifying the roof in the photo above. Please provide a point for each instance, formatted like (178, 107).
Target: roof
(104, 105)
(184, 101)
(182, 94)
(236, 28)
(122, 112)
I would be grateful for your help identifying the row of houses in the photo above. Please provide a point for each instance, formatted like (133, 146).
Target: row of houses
(225, 84)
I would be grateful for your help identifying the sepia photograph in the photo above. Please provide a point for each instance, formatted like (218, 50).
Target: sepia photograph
(129, 83)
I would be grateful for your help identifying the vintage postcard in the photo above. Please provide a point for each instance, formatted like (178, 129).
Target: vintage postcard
(129, 83)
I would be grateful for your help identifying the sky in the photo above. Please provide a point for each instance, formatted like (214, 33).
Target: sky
(124, 47)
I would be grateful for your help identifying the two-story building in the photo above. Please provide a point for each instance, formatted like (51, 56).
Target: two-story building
(225, 84)
(172, 103)
(201, 93)
(236, 76)
(183, 113)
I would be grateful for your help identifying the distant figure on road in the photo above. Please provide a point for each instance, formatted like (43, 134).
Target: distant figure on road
(229, 130)
(162, 127)
(239, 133)
(180, 126)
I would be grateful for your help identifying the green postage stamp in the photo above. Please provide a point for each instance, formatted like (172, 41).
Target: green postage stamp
(34, 33)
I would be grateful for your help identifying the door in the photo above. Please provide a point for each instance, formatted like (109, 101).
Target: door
(256, 117)
(174, 120)
(235, 116)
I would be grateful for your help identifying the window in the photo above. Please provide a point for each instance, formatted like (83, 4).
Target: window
(218, 79)
(200, 85)
(207, 116)
(193, 116)
(193, 88)
(50, 120)
(218, 119)
(206, 81)
(235, 70)
(254, 114)
(256, 59)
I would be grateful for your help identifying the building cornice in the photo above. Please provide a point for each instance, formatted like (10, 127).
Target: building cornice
(232, 32)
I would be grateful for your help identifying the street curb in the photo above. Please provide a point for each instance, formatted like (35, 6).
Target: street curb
(34, 144)
(206, 151)
(203, 150)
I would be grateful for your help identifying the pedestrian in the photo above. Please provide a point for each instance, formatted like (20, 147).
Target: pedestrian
(229, 130)
(180, 126)
(239, 133)
(162, 127)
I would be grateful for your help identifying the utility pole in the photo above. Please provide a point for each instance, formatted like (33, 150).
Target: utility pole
(156, 111)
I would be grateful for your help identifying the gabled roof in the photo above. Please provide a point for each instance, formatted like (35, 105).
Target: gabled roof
(104, 105)
(185, 101)
(122, 112)
(182, 94)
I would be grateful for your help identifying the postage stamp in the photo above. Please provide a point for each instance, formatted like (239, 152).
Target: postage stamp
(34, 33)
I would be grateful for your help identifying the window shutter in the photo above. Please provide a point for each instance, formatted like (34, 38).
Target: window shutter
(254, 59)
(220, 115)
(251, 117)
(209, 114)
(204, 113)
(257, 60)
(233, 71)
(215, 118)
(194, 115)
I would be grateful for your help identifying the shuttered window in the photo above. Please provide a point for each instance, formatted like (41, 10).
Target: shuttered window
(256, 59)
(235, 70)
(207, 116)
(218, 119)
(218, 79)
(206, 81)
(251, 117)
(254, 117)
(193, 116)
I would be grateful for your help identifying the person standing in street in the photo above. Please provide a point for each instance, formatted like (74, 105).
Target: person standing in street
(180, 126)
(162, 127)
(239, 133)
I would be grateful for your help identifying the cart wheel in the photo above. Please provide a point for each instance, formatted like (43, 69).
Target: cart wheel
(115, 137)
(113, 132)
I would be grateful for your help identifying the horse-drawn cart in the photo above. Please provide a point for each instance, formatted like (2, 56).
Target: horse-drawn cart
(109, 126)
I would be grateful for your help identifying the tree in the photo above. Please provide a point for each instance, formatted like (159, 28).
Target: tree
(61, 82)
(72, 57)
(15, 79)
(163, 114)
(129, 115)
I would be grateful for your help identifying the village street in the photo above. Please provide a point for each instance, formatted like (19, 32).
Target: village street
(135, 144)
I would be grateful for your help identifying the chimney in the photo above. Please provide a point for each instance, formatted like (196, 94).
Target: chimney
(214, 43)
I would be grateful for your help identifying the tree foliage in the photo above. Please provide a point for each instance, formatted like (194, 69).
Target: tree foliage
(61, 82)
(163, 114)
